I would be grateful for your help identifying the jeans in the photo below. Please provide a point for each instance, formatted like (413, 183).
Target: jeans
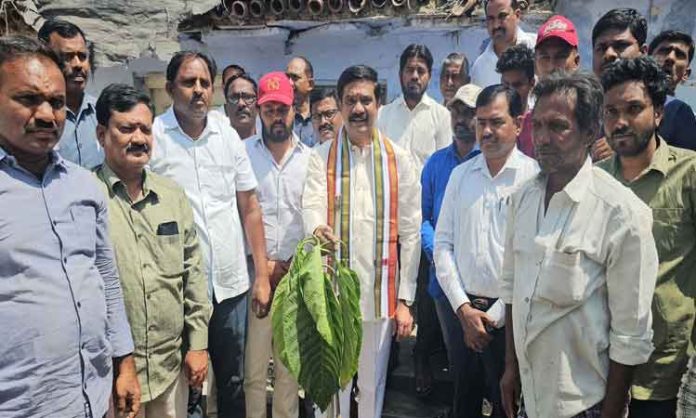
(429, 337)
(226, 341)
(652, 409)
(457, 352)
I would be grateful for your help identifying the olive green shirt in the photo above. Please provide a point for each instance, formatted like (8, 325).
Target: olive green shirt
(668, 186)
(160, 266)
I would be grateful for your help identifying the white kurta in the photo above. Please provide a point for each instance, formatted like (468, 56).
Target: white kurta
(376, 331)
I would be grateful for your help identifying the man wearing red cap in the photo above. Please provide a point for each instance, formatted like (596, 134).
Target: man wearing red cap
(556, 47)
(279, 160)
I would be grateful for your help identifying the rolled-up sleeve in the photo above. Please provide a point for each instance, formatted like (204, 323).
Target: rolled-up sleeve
(314, 196)
(196, 302)
(631, 275)
(118, 330)
(445, 261)
(409, 225)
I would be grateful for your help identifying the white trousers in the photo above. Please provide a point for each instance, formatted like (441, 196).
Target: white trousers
(259, 348)
(172, 403)
(372, 372)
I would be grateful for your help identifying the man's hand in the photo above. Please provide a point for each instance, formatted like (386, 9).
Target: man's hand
(601, 150)
(510, 389)
(261, 297)
(126, 387)
(277, 270)
(404, 320)
(196, 367)
(326, 236)
(474, 324)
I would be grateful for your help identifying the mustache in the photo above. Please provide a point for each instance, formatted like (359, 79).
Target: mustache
(78, 73)
(358, 117)
(137, 148)
(243, 111)
(42, 126)
(622, 132)
(499, 30)
(326, 127)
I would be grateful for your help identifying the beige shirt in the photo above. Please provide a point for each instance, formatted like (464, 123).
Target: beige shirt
(362, 245)
(580, 279)
(421, 131)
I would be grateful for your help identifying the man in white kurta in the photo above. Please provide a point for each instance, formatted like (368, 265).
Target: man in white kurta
(358, 104)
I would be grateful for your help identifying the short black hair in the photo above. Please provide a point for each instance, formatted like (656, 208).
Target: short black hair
(673, 36)
(181, 56)
(581, 86)
(235, 67)
(318, 95)
(489, 94)
(643, 69)
(358, 73)
(513, 3)
(416, 51)
(243, 77)
(12, 47)
(309, 70)
(63, 28)
(518, 57)
(622, 19)
(457, 57)
(119, 98)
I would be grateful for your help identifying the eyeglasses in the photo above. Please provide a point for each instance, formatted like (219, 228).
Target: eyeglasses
(327, 114)
(234, 99)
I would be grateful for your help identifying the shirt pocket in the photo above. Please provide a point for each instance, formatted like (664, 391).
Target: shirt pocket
(670, 229)
(219, 182)
(562, 281)
(83, 237)
(170, 255)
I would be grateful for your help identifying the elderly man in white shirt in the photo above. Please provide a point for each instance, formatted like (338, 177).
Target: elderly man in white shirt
(469, 240)
(199, 149)
(579, 269)
(384, 191)
(502, 23)
(279, 160)
(415, 121)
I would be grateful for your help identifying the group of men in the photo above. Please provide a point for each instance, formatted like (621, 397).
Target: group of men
(561, 287)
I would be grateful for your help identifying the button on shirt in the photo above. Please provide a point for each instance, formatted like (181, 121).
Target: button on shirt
(434, 178)
(470, 233)
(483, 72)
(211, 169)
(79, 140)
(303, 128)
(160, 267)
(580, 279)
(668, 186)
(362, 257)
(421, 131)
(61, 307)
(280, 195)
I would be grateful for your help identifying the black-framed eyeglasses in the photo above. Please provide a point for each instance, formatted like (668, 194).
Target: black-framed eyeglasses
(327, 114)
(234, 99)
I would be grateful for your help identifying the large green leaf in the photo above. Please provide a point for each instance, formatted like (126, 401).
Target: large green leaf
(349, 297)
(315, 295)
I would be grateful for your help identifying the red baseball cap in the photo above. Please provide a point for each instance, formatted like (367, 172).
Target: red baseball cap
(275, 87)
(558, 27)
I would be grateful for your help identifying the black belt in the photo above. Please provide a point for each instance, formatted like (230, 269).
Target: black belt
(481, 303)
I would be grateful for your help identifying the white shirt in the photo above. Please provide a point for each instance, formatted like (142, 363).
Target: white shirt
(580, 279)
(483, 72)
(470, 234)
(280, 194)
(362, 239)
(211, 169)
(421, 131)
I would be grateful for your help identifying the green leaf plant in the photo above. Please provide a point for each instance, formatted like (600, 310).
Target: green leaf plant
(317, 324)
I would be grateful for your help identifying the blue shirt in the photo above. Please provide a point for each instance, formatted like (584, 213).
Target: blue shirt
(304, 129)
(61, 308)
(434, 178)
(79, 143)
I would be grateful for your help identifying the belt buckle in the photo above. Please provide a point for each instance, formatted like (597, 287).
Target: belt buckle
(480, 304)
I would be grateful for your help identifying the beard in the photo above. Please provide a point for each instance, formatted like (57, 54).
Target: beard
(628, 143)
(412, 91)
(278, 132)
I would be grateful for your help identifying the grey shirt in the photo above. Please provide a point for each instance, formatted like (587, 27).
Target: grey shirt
(61, 308)
(78, 143)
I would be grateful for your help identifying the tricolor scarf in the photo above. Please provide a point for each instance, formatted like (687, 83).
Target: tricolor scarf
(340, 202)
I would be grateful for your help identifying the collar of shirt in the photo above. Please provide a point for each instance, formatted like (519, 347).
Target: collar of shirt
(297, 146)
(88, 106)
(580, 184)
(660, 162)
(170, 122)
(112, 179)
(302, 120)
(512, 163)
(56, 161)
(426, 101)
(452, 149)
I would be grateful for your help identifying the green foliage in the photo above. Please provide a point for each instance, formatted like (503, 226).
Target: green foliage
(316, 330)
